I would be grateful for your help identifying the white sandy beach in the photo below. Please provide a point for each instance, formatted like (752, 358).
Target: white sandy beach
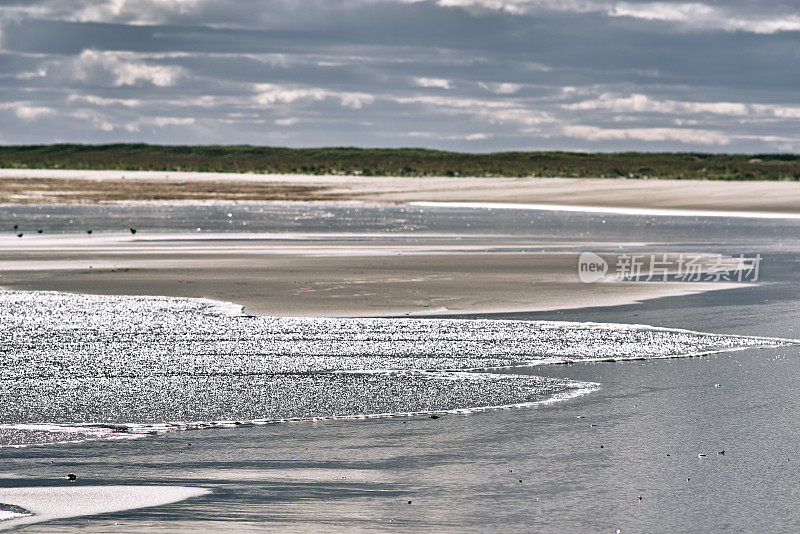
(703, 195)
(46, 503)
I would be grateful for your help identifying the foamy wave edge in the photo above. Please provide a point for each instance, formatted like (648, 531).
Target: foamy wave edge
(111, 431)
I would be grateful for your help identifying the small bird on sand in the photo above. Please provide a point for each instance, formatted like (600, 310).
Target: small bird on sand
(133, 230)
(19, 234)
(39, 231)
(72, 477)
(89, 232)
(16, 226)
(721, 452)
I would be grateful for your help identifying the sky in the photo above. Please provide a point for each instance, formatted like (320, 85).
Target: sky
(465, 75)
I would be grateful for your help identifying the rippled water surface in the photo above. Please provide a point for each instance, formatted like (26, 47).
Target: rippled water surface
(80, 365)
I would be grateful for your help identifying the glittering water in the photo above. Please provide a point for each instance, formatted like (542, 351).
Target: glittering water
(82, 366)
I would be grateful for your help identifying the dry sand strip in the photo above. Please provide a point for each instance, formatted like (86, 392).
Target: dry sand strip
(60, 502)
(307, 278)
(48, 186)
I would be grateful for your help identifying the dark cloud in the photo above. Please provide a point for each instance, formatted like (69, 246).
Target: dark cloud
(456, 74)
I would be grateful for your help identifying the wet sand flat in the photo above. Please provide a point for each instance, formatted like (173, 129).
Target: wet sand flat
(306, 277)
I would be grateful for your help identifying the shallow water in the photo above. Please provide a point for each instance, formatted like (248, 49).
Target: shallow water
(462, 472)
(371, 222)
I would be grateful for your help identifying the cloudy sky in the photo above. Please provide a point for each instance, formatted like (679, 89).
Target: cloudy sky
(473, 75)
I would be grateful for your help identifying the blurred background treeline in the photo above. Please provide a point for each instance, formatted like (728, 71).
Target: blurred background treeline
(402, 162)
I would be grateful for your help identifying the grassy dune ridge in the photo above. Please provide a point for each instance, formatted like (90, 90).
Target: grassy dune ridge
(401, 162)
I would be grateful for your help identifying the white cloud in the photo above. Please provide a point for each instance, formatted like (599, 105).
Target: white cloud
(270, 94)
(433, 82)
(97, 120)
(27, 111)
(355, 100)
(287, 122)
(708, 14)
(682, 135)
(429, 135)
(159, 122)
(639, 103)
(662, 11)
(524, 7)
(780, 112)
(493, 111)
(30, 75)
(134, 11)
(123, 68)
(423, 135)
(691, 14)
(477, 136)
(102, 101)
(33, 112)
(704, 16)
(171, 121)
(501, 88)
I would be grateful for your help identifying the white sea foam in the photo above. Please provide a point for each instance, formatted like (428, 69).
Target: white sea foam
(79, 367)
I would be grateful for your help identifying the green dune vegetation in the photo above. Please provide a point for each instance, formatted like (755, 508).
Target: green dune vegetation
(402, 162)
